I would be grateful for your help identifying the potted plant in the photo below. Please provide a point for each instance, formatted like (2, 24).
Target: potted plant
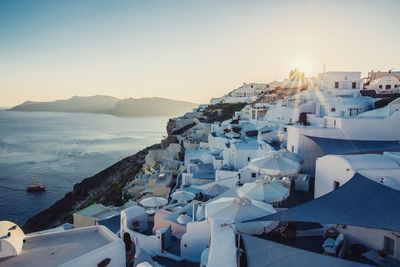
(382, 254)
(135, 225)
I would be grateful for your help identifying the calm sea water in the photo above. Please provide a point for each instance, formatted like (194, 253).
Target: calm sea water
(64, 148)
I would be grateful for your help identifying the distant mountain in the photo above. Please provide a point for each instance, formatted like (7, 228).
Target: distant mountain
(90, 104)
(154, 106)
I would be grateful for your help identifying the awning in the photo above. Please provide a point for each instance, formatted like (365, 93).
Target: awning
(261, 252)
(359, 202)
(339, 146)
(112, 223)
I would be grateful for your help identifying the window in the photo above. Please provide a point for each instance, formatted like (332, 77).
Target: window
(353, 85)
(253, 175)
(353, 112)
(388, 245)
(336, 85)
(388, 86)
(336, 185)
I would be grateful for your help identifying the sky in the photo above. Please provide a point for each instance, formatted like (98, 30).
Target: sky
(186, 50)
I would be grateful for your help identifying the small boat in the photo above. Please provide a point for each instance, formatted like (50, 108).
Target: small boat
(36, 186)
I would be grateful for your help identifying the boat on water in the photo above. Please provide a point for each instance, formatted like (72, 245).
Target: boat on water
(36, 186)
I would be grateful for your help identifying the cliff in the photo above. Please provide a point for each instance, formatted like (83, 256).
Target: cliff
(154, 106)
(104, 187)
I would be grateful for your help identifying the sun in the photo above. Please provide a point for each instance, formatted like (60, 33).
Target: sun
(305, 65)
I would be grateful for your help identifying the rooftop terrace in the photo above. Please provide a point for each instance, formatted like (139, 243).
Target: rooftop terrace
(59, 248)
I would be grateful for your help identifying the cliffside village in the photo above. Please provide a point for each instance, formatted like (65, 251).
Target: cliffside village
(302, 172)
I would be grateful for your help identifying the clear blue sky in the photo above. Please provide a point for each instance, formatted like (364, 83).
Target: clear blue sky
(189, 50)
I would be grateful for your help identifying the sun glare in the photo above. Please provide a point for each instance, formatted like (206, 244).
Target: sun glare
(305, 65)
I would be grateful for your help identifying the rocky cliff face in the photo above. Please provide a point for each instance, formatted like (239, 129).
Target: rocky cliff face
(104, 187)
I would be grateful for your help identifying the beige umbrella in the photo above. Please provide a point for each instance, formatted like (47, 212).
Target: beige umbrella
(274, 165)
(153, 202)
(239, 208)
(263, 190)
(182, 196)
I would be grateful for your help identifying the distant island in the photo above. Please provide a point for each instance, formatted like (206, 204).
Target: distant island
(147, 106)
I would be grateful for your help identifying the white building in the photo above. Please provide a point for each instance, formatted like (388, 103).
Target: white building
(240, 153)
(333, 171)
(340, 80)
(167, 235)
(316, 104)
(249, 90)
(247, 93)
(385, 84)
(374, 131)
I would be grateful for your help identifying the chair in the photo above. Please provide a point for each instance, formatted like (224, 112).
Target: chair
(331, 245)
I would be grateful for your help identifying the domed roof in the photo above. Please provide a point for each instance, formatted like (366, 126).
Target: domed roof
(389, 79)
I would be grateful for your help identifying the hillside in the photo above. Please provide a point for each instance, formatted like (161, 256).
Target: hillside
(90, 104)
(154, 106)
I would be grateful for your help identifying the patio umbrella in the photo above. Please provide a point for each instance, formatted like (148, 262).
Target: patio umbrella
(289, 155)
(232, 135)
(153, 202)
(212, 189)
(274, 165)
(239, 208)
(264, 191)
(182, 196)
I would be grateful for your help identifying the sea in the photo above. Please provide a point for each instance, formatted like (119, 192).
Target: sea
(62, 149)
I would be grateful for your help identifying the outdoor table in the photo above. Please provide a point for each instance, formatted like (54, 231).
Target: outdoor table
(151, 212)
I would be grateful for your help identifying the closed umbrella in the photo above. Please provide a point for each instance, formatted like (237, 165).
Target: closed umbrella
(274, 165)
(183, 196)
(153, 202)
(264, 191)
